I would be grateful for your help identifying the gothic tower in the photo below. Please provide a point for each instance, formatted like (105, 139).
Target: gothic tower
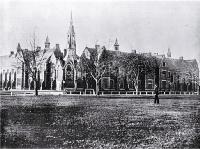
(47, 43)
(169, 53)
(71, 41)
(116, 45)
(69, 70)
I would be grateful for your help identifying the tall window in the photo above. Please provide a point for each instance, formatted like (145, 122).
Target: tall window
(163, 84)
(172, 79)
(164, 64)
(121, 85)
(169, 74)
(164, 73)
(112, 84)
(150, 84)
(105, 83)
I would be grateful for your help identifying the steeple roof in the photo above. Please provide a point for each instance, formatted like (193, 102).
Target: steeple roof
(71, 27)
(116, 43)
(18, 47)
(71, 35)
(47, 39)
(169, 53)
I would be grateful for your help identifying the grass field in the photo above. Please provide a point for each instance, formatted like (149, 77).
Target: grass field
(63, 122)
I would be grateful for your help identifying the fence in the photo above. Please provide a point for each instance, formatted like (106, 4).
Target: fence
(90, 93)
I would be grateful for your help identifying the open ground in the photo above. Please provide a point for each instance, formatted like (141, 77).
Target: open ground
(92, 122)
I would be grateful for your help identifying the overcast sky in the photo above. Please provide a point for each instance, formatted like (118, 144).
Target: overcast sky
(145, 26)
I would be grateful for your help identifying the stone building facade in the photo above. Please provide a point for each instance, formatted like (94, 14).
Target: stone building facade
(64, 70)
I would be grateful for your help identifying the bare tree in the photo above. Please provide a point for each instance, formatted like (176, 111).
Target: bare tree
(32, 59)
(96, 67)
(135, 64)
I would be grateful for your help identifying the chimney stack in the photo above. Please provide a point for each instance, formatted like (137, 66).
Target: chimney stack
(133, 51)
(11, 53)
(38, 48)
(181, 57)
(57, 46)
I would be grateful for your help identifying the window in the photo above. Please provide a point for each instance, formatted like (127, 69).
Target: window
(169, 74)
(164, 73)
(172, 78)
(150, 84)
(164, 64)
(69, 68)
(112, 84)
(163, 84)
(121, 85)
(131, 85)
(105, 83)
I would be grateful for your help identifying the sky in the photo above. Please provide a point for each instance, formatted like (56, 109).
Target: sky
(147, 26)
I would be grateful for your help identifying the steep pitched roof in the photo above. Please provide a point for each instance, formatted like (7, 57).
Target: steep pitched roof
(183, 66)
(7, 62)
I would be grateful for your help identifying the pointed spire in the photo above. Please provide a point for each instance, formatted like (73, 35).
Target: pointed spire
(71, 35)
(116, 45)
(169, 53)
(71, 20)
(47, 39)
(116, 42)
(18, 47)
(47, 43)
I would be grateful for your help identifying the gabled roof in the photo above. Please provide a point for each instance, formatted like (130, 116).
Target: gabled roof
(7, 62)
(93, 53)
(182, 66)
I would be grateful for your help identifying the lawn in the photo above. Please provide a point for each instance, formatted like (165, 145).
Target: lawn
(63, 122)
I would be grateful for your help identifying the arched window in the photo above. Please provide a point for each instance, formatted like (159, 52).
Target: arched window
(69, 68)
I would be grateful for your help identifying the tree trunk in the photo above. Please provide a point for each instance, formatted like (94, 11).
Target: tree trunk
(35, 86)
(35, 83)
(136, 85)
(136, 89)
(97, 88)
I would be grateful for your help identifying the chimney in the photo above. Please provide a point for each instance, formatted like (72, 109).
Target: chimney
(57, 46)
(38, 48)
(11, 53)
(155, 53)
(133, 51)
(97, 46)
(169, 53)
(181, 57)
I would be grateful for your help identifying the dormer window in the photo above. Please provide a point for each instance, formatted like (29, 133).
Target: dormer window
(164, 64)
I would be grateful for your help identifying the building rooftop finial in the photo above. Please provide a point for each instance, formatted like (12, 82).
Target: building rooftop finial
(116, 42)
(18, 47)
(71, 19)
(47, 39)
(169, 53)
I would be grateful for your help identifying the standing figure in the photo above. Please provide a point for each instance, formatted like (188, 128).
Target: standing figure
(156, 100)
